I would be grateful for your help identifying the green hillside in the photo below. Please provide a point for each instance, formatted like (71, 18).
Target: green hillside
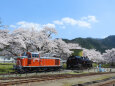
(98, 44)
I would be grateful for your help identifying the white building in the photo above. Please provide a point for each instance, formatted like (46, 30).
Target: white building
(6, 59)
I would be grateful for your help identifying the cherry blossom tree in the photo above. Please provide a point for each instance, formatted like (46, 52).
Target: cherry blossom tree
(43, 39)
(109, 55)
(4, 38)
(62, 48)
(24, 40)
(93, 55)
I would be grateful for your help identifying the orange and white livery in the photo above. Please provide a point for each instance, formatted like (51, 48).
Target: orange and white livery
(32, 61)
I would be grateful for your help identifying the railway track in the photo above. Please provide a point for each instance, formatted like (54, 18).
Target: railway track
(18, 80)
(110, 83)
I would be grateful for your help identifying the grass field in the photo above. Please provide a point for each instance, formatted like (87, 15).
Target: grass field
(6, 67)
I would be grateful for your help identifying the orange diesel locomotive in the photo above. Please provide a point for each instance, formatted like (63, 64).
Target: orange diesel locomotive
(32, 61)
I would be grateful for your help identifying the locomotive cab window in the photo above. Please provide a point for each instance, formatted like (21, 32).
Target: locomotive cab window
(35, 55)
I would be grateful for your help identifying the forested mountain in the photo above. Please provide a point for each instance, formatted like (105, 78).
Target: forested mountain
(98, 44)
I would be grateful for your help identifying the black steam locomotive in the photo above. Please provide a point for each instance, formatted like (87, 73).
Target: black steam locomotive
(78, 62)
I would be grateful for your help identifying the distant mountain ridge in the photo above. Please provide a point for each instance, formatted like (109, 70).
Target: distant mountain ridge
(90, 43)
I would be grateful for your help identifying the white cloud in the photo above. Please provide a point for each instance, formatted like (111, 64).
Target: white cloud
(89, 19)
(69, 21)
(92, 18)
(83, 22)
(58, 22)
(49, 25)
(72, 21)
(29, 25)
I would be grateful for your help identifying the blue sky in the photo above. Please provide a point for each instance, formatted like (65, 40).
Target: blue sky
(71, 18)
